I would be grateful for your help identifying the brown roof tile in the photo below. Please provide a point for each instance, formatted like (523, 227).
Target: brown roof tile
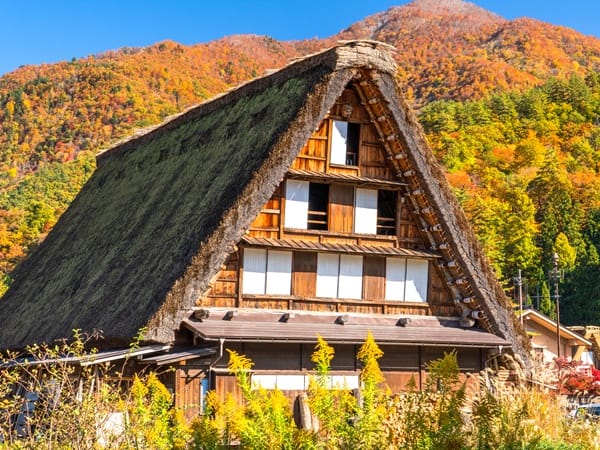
(271, 327)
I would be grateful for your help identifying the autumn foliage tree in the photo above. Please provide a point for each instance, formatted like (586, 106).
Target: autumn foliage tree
(530, 165)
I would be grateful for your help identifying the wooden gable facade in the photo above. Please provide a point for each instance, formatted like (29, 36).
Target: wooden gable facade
(347, 244)
(340, 207)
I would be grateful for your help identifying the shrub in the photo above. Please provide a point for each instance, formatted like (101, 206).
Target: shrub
(54, 404)
(74, 410)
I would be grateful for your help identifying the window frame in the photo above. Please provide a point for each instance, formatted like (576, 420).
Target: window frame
(340, 277)
(365, 211)
(296, 204)
(344, 149)
(386, 225)
(251, 284)
(413, 289)
(301, 210)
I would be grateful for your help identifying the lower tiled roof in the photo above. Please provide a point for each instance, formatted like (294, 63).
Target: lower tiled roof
(274, 326)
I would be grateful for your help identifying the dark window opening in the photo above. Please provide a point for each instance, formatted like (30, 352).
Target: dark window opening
(318, 202)
(345, 143)
(352, 144)
(386, 212)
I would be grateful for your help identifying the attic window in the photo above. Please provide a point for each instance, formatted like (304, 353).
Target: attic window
(267, 272)
(306, 205)
(386, 212)
(344, 143)
(365, 211)
(375, 212)
(406, 279)
(318, 201)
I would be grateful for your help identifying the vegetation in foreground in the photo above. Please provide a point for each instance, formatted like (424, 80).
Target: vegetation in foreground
(78, 412)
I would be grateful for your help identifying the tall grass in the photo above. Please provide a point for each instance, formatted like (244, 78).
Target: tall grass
(74, 410)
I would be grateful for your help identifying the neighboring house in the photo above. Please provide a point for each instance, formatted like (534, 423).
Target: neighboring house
(544, 342)
(304, 202)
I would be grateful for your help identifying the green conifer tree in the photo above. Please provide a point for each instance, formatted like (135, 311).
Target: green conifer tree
(546, 304)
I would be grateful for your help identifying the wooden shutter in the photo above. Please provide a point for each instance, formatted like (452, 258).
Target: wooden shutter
(374, 278)
(305, 274)
(351, 274)
(296, 204)
(365, 211)
(255, 267)
(416, 280)
(339, 134)
(267, 272)
(395, 277)
(279, 273)
(327, 274)
(341, 207)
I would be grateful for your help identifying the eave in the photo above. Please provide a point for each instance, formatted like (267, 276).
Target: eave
(296, 327)
(550, 325)
(300, 245)
(329, 177)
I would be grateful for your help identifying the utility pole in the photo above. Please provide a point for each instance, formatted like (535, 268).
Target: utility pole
(519, 282)
(556, 277)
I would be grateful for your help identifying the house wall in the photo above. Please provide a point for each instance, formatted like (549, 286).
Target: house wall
(226, 288)
(226, 291)
(332, 220)
(401, 366)
(188, 383)
(545, 342)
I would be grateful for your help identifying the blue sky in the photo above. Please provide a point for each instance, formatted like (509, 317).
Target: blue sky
(47, 31)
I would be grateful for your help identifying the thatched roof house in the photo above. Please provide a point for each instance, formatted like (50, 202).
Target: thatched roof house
(150, 231)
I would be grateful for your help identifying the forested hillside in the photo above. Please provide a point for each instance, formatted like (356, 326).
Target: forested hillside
(511, 108)
(525, 167)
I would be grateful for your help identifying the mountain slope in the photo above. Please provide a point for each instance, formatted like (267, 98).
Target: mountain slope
(455, 49)
(447, 49)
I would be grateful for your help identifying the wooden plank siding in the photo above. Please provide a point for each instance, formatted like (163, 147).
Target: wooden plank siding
(304, 268)
(341, 208)
(226, 385)
(268, 222)
(313, 155)
(399, 365)
(372, 165)
(372, 156)
(341, 219)
(374, 278)
(340, 109)
(439, 298)
(225, 291)
(188, 390)
(407, 230)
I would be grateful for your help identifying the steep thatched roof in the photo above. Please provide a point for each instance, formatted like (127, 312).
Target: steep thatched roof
(163, 211)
